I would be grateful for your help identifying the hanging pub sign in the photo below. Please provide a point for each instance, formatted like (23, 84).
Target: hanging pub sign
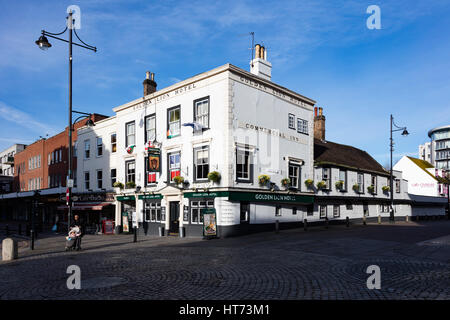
(154, 161)
(209, 222)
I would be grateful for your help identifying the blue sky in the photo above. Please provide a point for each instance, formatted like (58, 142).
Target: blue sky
(321, 49)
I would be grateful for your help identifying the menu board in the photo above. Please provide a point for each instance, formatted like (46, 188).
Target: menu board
(209, 222)
(125, 223)
(108, 226)
(163, 213)
(186, 213)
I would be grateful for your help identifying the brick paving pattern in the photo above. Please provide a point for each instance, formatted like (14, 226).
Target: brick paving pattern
(293, 264)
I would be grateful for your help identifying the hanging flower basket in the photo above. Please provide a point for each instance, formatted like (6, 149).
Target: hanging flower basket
(118, 185)
(214, 176)
(286, 182)
(339, 184)
(321, 185)
(130, 185)
(178, 179)
(356, 187)
(385, 188)
(309, 183)
(263, 179)
(371, 189)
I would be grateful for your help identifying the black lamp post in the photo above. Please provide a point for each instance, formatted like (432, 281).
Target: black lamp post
(43, 44)
(34, 208)
(391, 187)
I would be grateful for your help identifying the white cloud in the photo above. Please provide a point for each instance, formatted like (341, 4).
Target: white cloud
(24, 119)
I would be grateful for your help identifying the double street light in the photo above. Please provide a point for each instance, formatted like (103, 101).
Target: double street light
(391, 187)
(43, 44)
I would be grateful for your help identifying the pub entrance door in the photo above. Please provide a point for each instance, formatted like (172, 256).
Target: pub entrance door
(174, 214)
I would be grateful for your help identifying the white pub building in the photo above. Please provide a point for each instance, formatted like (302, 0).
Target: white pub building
(222, 153)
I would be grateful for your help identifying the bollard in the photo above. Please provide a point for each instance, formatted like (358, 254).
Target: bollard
(407, 219)
(32, 239)
(364, 219)
(161, 231)
(379, 219)
(7, 230)
(182, 232)
(20, 229)
(9, 249)
(347, 222)
(135, 234)
(326, 222)
(277, 226)
(305, 225)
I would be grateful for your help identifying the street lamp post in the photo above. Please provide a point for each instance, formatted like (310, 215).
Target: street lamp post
(43, 44)
(391, 186)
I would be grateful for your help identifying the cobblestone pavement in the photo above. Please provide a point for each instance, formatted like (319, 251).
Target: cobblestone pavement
(293, 264)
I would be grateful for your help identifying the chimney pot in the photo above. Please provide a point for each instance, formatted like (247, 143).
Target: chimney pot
(149, 83)
(257, 51)
(319, 124)
(261, 55)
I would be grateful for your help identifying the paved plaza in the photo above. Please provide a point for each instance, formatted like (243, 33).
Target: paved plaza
(414, 259)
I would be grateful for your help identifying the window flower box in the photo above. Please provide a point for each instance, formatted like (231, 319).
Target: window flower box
(309, 183)
(214, 176)
(178, 180)
(339, 185)
(286, 182)
(321, 185)
(263, 179)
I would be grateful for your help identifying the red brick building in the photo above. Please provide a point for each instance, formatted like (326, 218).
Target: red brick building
(43, 166)
(44, 163)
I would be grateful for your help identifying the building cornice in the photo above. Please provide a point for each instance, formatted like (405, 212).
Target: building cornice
(202, 76)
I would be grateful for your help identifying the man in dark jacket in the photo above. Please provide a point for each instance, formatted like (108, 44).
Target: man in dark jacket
(77, 222)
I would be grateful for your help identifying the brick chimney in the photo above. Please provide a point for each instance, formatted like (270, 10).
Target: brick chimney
(319, 124)
(149, 83)
(260, 66)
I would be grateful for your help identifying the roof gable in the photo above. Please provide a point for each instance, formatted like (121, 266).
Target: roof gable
(326, 152)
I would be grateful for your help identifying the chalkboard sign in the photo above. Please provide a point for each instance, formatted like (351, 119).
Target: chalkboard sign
(185, 213)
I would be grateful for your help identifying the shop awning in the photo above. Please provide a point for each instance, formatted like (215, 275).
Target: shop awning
(96, 206)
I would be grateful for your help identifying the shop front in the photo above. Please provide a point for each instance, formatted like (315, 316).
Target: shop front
(96, 210)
